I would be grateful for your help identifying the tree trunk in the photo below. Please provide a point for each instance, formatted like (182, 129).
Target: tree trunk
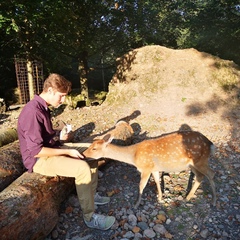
(29, 206)
(30, 79)
(8, 136)
(11, 166)
(83, 72)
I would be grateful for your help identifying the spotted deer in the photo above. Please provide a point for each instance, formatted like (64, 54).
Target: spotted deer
(172, 152)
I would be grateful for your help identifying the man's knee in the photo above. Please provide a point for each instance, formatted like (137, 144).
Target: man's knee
(83, 173)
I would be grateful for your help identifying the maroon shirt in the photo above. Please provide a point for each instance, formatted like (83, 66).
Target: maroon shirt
(35, 130)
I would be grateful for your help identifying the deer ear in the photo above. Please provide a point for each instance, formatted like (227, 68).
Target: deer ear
(108, 138)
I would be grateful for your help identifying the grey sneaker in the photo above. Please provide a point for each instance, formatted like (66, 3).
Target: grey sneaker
(100, 222)
(99, 200)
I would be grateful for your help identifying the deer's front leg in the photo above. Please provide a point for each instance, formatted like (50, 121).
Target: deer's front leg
(143, 182)
(156, 177)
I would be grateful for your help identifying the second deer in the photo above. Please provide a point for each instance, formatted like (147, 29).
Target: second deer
(173, 152)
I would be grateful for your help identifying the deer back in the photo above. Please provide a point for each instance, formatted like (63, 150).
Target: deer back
(173, 152)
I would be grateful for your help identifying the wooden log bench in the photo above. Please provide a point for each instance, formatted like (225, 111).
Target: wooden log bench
(11, 166)
(29, 206)
(7, 136)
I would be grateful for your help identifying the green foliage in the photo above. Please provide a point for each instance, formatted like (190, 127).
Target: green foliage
(72, 100)
(59, 32)
(211, 26)
(99, 95)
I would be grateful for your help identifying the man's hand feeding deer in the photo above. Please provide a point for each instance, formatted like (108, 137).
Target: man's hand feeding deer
(173, 152)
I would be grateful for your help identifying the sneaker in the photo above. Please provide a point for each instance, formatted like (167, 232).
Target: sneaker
(100, 222)
(99, 200)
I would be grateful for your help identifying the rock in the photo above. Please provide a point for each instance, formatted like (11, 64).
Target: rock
(132, 220)
(204, 233)
(149, 233)
(159, 228)
(142, 225)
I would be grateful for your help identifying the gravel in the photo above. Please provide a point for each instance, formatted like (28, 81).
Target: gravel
(173, 218)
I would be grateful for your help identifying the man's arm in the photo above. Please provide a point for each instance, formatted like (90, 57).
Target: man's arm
(49, 152)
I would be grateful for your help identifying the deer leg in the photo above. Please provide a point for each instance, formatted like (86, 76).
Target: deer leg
(162, 182)
(198, 180)
(142, 185)
(156, 179)
(190, 181)
(210, 174)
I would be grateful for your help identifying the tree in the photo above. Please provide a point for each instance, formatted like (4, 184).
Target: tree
(79, 37)
(210, 26)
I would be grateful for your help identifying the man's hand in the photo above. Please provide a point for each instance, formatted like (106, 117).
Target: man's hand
(75, 153)
(66, 133)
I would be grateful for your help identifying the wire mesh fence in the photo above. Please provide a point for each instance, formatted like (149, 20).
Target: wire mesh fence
(30, 79)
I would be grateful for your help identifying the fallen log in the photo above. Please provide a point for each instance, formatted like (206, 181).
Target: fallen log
(11, 166)
(29, 206)
(8, 136)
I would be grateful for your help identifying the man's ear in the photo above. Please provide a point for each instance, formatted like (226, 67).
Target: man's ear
(50, 90)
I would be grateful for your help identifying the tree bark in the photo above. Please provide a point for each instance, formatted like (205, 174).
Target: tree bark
(11, 166)
(8, 136)
(30, 79)
(29, 206)
(83, 72)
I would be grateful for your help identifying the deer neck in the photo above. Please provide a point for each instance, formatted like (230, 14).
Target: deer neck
(121, 153)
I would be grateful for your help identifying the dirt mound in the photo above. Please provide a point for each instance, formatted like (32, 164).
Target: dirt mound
(160, 90)
(196, 88)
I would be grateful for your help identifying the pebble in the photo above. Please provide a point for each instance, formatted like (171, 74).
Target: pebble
(158, 228)
(128, 235)
(142, 225)
(149, 233)
(204, 233)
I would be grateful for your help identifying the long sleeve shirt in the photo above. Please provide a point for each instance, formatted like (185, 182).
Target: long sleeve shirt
(35, 130)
